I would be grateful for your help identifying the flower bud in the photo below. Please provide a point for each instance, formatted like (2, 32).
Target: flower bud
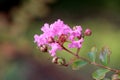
(79, 37)
(54, 60)
(62, 39)
(43, 48)
(87, 32)
(50, 40)
(61, 61)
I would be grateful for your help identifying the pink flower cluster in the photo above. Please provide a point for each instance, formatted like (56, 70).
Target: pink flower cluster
(56, 34)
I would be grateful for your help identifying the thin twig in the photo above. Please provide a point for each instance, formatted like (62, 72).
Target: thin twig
(67, 50)
(93, 63)
(78, 50)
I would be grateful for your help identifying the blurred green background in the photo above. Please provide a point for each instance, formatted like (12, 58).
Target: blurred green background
(21, 19)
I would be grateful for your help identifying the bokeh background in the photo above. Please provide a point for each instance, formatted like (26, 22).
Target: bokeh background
(20, 59)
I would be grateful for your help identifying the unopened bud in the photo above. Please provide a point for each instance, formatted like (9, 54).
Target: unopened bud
(62, 39)
(50, 40)
(61, 61)
(54, 60)
(43, 48)
(87, 32)
(79, 37)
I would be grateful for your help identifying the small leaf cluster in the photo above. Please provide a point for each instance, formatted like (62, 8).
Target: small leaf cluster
(104, 59)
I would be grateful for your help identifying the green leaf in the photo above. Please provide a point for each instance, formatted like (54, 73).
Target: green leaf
(104, 59)
(78, 64)
(99, 74)
(105, 56)
(92, 54)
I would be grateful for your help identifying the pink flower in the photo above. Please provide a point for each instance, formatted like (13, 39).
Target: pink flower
(76, 44)
(45, 28)
(36, 38)
(47, 31)
(55, 47)
(40, 40)
(76, 32)
(56, 34)
(59, 28)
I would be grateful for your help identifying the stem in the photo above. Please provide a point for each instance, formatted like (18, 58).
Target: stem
(78, 50)
(68, 50)
(93, 63)
(111, 69)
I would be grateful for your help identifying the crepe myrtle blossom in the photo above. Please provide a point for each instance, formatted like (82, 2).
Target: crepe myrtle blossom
(56, 34)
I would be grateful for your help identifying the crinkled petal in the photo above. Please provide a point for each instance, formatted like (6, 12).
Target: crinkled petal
(79, 28)
(55, 47)
(40, 40)
(45, 28)
(47, 31)
(75, 33)
(76, 44)
(36, 38)
(58, 28)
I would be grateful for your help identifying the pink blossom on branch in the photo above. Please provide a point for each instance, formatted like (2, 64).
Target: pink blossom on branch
(56, 34)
